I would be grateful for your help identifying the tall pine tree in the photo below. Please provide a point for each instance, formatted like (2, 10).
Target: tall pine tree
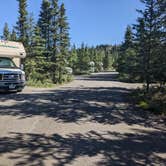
(6, 32)
(22, 25)
(149, 37)
(126, 55)
(36, 65)
(13, 36)
(44, 23)
(54, 29)
(31, 28)
(62, 57)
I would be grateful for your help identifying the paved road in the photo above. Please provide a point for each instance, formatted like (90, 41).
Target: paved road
(88, 122)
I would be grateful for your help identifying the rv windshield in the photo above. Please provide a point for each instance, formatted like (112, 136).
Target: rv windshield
(6, 63)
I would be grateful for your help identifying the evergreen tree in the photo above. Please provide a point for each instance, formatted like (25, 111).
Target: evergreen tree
(13, 36)
(30, 34)
(99, 59)
(63, 30)
(126, 54)
(6, 32)
(44, 23)
(22, 25)
(54, 28)
(36, 65)
(83, 59)
(128, 43)
(160, 60)
(38, 42)
(62, 57)
(73, 58)
(150, 45)
(106, 59)
(141, 42)
(30, 29)
(115, 55)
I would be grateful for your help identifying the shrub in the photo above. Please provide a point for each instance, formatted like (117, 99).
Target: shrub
(154, 101)
(40, 84)
(143, 104)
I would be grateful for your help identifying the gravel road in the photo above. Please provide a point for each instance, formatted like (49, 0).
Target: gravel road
(88, 122)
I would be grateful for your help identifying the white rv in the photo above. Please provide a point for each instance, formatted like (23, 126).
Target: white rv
(12, 77)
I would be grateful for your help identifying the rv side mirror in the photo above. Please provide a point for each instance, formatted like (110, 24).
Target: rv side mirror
(22, 67)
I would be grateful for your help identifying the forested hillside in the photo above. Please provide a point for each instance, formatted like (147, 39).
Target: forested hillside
(92, 59)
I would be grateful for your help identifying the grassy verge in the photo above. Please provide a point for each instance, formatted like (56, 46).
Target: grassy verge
(128, 79)
(154, 101)
(39, 84)
(47, 83)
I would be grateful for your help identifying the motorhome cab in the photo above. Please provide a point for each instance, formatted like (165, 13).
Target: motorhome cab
(12, 77)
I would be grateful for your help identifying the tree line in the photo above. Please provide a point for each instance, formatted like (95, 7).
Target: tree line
(142, 55)
(46, 40)
(140, 58)
(47, 44)
(87, 59)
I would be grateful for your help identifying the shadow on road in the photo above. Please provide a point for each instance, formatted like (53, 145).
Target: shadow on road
(109, 105)
(126, 149)
(105, 105)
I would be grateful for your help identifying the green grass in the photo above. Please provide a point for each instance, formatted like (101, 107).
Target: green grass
(48, 83)
(39, 84)
(144, 105)
(154, 101)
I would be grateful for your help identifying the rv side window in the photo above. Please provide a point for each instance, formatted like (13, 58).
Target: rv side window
(6, 63)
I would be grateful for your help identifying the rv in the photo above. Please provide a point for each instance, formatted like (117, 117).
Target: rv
(12, 76)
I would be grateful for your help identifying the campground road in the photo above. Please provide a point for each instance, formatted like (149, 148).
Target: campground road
(88, 122)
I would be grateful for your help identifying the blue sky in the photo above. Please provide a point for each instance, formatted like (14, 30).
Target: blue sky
(91, 21)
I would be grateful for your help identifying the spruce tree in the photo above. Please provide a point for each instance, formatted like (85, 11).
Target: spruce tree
(151, 40)
(30, 29)
(160, 60)
(30, 34)
(38, 42)
(35, 63)
(22, 25)
(140, 45)
(54, 29)
(44, 23)
(13, 36)
(126, 55)
(83, 60)
(63, 30)
(6, 32)
(106, 59)
(128, 43)
(73, 58)
(61, 59)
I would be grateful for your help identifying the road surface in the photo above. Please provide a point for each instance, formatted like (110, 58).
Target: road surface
(88, 122)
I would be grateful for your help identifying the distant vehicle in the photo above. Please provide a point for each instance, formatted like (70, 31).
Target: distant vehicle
(92, 66)
(12, 76)
(69, 70)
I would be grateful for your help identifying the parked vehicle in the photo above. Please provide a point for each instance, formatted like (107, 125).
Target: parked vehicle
(69, 70)
(12, 76)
